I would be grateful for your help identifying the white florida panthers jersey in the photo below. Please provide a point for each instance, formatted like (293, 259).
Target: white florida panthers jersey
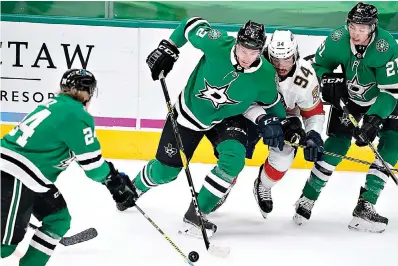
(300, 93)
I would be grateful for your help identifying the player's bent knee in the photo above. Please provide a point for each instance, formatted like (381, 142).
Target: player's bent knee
(388, 146)
(57, 224)
(281, 160)
(231, 156)
(165, 173)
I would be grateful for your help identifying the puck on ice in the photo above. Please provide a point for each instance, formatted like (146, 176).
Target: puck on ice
(193, 256)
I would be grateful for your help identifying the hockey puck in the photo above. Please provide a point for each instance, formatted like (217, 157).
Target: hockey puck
(193, 256)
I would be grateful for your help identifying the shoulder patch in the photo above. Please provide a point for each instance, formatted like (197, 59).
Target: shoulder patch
(214, 34)
(315, 94)
(337, 34)
(382, 45)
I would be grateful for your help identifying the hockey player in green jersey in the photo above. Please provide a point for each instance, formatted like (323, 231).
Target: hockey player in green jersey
(33, 155)
(369, 58)
(230, 79)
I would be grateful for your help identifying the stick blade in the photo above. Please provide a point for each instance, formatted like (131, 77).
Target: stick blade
(217, 251)
(83, 236)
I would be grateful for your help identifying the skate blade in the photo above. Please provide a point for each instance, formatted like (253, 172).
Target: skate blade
(362, 225)
(194, 231)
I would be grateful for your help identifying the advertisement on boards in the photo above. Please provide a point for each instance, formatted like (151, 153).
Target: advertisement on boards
(35, 55)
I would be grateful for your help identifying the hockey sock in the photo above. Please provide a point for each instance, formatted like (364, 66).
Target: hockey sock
(269, 175)
(155, 173)
(7, 250)
(46, 238)
(319, 177)
(214, 188)
(322, 170)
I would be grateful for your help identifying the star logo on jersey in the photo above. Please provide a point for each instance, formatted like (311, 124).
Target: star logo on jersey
(65, 163)
(217, 95)
(355, 89)
(170, 150)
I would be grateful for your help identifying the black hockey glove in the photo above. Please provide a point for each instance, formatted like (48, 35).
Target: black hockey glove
(162, 59)
(370, 128)
(271, 131)
(292, 129)
(313, 143)
(121, 187)
(334, 88)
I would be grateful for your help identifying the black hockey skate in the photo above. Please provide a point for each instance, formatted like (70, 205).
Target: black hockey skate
(191, 224)
(303, 209)
(263, 197)
(365, 218)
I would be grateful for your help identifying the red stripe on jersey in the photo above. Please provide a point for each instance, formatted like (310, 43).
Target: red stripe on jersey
(272, 173)
(316, 110)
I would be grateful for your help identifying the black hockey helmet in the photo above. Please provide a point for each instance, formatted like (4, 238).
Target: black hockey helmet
(252, 36)
(79, 79)
(363, 14)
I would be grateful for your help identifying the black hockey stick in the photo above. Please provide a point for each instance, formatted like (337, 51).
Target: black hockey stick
(355, 123)
(164, 235)
(342, 157)
(217, 251)
(80, 237)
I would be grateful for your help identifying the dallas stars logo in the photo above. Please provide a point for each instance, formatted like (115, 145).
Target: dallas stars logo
(355, 89)
(65, 163)
(345, 120)
(217, 95)
(170, 150)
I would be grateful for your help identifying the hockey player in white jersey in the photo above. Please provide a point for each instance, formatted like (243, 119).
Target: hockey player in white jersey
(300, 91)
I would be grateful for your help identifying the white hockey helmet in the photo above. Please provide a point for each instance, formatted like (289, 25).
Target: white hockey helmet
(283, 45)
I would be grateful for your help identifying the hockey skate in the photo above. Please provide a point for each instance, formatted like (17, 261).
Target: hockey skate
(191, 225)
(263, 197)
(366, 218)
(303, 209)
(121, 207)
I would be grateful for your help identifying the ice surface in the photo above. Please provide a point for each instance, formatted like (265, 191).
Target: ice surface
(128, 239)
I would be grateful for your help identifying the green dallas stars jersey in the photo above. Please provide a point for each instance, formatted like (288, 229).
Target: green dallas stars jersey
(370, 78)
(218, 87)
(48, 140)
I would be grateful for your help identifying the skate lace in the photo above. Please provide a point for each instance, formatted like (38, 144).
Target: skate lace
(265, 193)
(305, 203)
(369, 208)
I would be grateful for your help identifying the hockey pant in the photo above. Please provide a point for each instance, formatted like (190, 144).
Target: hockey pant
(228, 139)
(18, 202)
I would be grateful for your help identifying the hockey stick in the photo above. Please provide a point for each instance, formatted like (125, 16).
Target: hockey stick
(355, 123)
(164, 235)
(80, 237)
(214, 250)
(341, 156)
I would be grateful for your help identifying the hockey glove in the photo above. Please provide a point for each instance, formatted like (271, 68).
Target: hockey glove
(334, 88)
(271, 131)
(162, 59)
(292, 129)
(313, 143)
(370, 128)
(121, 187)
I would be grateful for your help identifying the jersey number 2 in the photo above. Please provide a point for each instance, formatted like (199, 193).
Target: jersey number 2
(392, 68)
(28, 126)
